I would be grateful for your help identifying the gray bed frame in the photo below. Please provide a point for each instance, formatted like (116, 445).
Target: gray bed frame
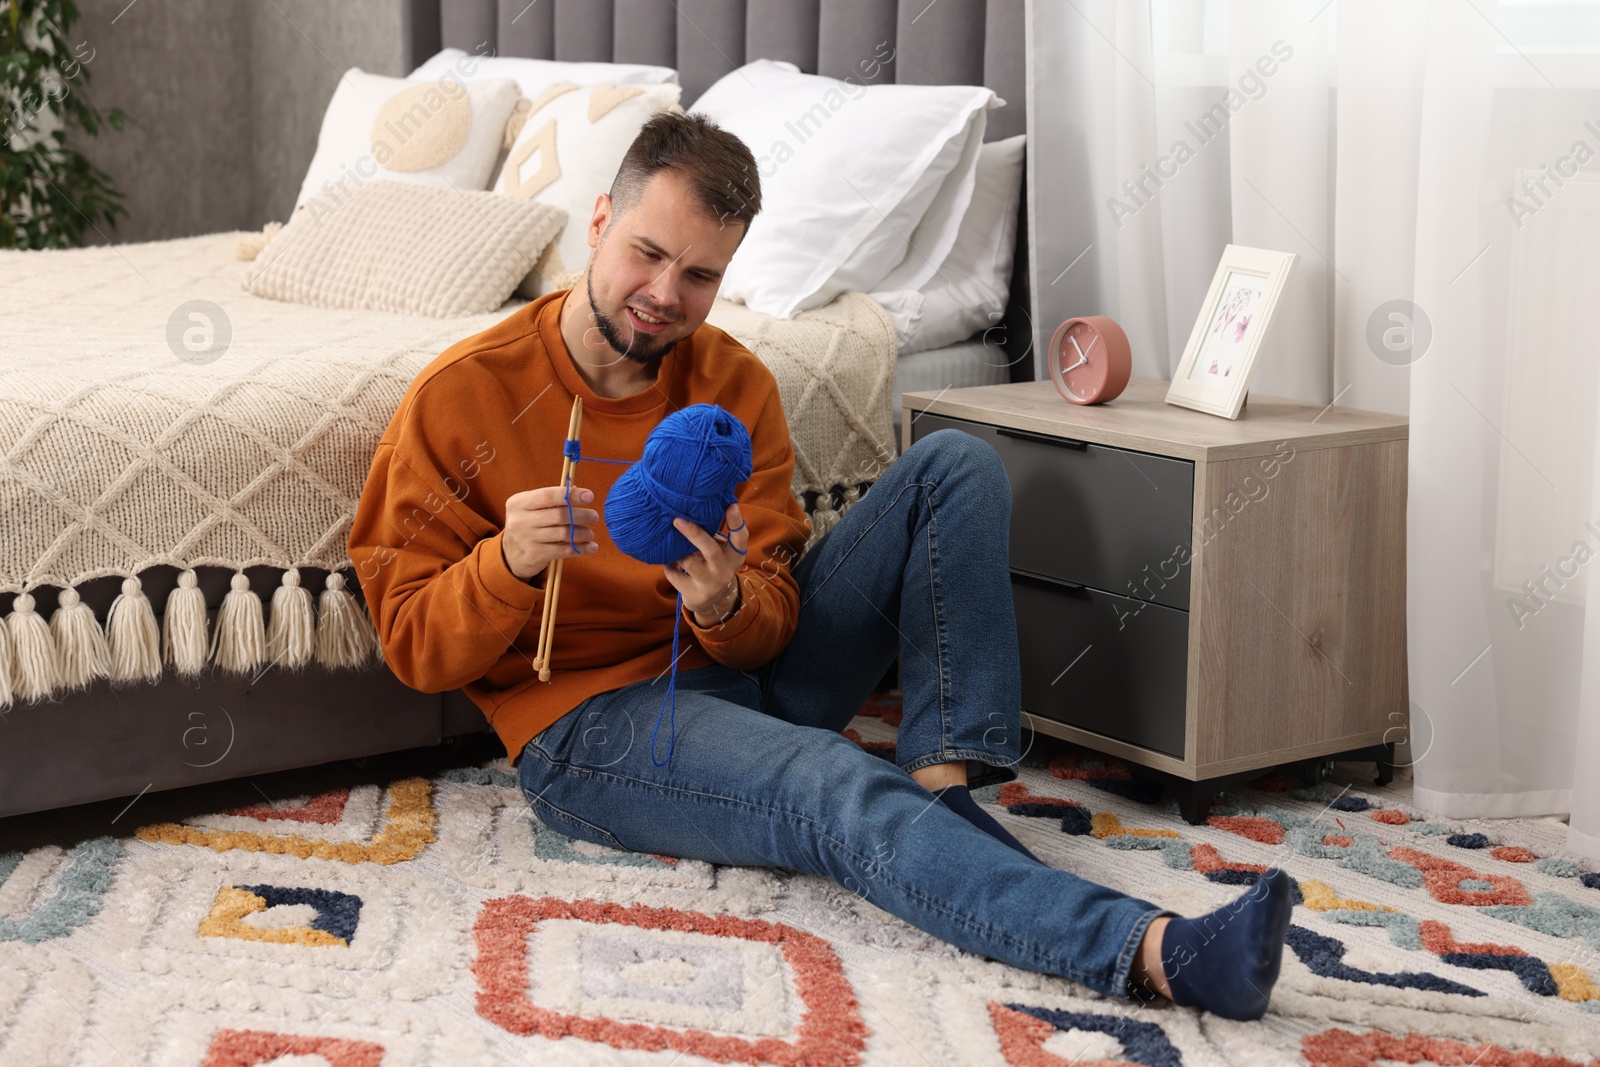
(113, 741)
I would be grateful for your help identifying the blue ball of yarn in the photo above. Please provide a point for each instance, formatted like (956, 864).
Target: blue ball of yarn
(692, 463)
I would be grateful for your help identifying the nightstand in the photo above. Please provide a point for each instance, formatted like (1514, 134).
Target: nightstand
(1202, 597)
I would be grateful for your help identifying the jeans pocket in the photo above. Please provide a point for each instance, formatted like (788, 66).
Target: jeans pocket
(755, 692)
(549, 744)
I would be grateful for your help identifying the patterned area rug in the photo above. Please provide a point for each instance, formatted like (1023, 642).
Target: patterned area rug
(433, 920)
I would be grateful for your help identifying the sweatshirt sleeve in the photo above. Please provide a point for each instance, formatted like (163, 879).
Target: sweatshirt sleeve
(446, 605)
(769, 596)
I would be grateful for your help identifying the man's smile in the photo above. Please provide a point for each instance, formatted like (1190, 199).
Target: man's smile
(644, 322)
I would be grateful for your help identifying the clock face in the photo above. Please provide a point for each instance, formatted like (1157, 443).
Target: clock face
(1089, 360)
(1083, 376)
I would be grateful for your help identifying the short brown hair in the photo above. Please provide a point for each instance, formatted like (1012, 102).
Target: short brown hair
(718, 165)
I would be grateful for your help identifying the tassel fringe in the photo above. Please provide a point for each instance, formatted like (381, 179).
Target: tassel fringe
(342, 640)
(72, 650)
(250, 245)
(34, 672)
(183, 637)
(292, 634)
(82, 654)
(239, 643)
(134, 635)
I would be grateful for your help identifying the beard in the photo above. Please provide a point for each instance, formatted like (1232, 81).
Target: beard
(641, 349)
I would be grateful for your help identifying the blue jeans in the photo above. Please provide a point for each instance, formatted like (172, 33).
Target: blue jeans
(761, 775)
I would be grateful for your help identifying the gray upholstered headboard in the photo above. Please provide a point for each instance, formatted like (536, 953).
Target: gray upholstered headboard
(935, 42)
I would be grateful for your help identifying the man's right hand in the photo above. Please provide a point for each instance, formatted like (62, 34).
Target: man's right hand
(536, 529)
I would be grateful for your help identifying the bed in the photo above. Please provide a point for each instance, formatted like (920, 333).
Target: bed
(142, 485)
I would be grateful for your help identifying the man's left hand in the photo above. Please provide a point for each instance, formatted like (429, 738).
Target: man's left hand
(707, 578)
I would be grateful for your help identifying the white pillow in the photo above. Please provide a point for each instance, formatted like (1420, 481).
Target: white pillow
(972, 286)
(936, 234)
(534, 76)
(568, 152)
(444, 133)
(848, 173)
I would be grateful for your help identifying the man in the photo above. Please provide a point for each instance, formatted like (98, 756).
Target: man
(463, 514)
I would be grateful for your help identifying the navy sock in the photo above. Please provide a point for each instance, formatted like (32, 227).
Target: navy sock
(1227, 961)
(959, 800)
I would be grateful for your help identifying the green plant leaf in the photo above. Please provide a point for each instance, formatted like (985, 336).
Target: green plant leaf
(51, 196)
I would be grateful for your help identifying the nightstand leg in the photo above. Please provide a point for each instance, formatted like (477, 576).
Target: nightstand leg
(1383, 756)
(1194, 800)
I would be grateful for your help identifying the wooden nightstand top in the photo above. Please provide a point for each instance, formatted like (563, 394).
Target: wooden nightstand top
(1142, 420)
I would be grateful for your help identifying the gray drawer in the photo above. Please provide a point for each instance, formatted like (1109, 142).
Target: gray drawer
(1103, 663)
(1107, 518)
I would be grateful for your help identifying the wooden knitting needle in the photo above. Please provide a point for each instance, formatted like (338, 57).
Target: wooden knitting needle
(555, 590)
(541, 659)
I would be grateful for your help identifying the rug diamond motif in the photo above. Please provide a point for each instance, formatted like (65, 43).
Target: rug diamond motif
(638, 977)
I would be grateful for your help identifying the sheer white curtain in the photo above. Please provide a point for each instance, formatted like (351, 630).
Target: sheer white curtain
(1444, 153)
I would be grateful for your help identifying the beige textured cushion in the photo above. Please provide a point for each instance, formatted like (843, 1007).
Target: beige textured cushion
(407, 248)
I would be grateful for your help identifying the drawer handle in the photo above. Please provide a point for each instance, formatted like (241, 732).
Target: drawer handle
(1043, 438)
(1060, 583)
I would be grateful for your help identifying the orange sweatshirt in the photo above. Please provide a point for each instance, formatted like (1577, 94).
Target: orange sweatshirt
(487, 420)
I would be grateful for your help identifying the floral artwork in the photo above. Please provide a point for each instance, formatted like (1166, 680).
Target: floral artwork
(1223, 348)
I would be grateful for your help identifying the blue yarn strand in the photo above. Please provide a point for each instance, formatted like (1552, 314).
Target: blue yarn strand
(691, 465)
(573, 451)
(729, 538)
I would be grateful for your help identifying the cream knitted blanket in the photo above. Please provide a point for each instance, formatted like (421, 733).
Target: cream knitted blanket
(125, 446)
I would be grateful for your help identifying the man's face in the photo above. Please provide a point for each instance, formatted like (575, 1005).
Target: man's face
(661, 260)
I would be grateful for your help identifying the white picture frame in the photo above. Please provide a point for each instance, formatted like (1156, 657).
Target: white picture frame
(1235, 318)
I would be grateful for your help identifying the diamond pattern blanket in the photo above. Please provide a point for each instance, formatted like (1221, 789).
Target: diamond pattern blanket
(433, 919)
(154, 412)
